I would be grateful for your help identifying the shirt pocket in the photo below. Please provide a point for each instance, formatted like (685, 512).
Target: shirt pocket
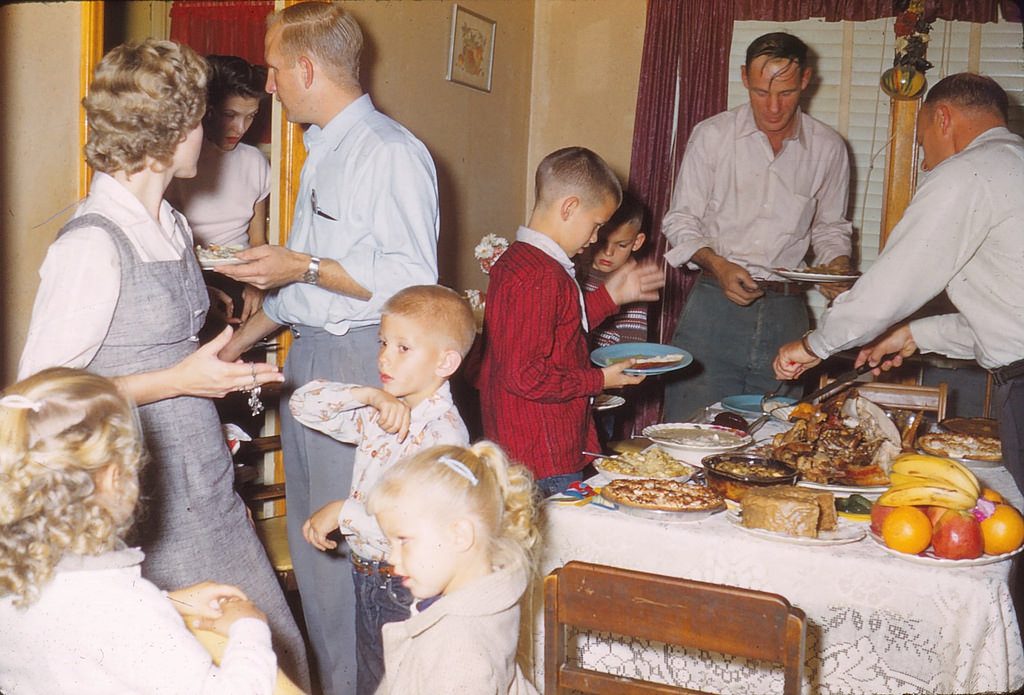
(798, 214)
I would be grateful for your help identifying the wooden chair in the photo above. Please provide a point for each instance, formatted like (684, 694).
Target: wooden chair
(931, 399)
(712, 617)
(272, 531)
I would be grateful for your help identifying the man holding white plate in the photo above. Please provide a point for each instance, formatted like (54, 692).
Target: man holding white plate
(758, 186)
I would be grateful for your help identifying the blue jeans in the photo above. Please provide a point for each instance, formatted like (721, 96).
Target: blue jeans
(379, 599)
(732, 346)
(556, 483)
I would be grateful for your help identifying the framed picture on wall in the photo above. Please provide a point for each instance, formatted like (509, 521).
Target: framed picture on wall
(471, 54)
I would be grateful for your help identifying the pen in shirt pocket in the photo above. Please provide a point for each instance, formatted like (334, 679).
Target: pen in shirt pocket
(318, 211)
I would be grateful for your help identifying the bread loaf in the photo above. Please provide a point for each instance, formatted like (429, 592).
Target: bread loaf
(791, 510)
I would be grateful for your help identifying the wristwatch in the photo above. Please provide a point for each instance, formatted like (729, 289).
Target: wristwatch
(312, 274)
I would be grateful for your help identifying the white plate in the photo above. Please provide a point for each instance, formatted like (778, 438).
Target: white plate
(803, 276)
(970, 463)
(846, 532)
(608, 401)
(208, 263)
(871, 492)
(662, 515)
(928, 557)
(694, 454)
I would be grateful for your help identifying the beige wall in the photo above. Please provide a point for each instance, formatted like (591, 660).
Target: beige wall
(478, 140)
(586, 69)
(38, 151)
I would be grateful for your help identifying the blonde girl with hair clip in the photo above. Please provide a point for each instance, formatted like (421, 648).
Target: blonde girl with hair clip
(77, 615)
(461, 523)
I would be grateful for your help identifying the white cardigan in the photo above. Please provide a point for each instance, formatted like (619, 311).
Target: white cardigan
(99, 628)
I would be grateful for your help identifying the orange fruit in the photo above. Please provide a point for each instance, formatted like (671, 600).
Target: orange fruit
(1003, 532)
(907, 530)
(991, 495)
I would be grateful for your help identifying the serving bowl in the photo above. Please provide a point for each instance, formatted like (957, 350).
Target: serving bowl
(690, 442)
(732, 474)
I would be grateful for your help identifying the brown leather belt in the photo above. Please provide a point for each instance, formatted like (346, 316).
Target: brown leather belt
(786, 289)
(371, 567)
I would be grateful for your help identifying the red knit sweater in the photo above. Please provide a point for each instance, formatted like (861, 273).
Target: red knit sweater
(536, 378)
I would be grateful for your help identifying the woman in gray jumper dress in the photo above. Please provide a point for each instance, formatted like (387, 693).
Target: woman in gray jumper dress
(122, 295)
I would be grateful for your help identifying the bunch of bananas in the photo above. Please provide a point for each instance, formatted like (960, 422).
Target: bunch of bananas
(919, 479)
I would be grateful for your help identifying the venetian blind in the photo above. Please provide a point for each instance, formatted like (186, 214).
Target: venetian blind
(848, 58)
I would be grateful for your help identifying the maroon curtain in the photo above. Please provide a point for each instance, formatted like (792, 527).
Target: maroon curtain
(226, 27)
(862, 10)
(686, 47)
(223, 27)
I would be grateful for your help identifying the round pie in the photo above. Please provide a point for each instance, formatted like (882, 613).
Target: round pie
(664, 495)
(961, 446)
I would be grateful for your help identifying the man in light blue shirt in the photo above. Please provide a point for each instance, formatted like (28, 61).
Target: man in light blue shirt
(365, 226)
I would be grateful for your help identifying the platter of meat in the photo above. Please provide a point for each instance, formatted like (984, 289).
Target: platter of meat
(845, 445)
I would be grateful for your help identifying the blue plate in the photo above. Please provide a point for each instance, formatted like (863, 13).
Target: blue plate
(750, 403)
(610, 354)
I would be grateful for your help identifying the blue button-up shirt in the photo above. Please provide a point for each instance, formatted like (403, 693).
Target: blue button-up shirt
(368, 200)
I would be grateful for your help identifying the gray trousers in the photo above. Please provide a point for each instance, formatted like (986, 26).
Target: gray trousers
(733, 347)
(318, 470)
(1009, 408)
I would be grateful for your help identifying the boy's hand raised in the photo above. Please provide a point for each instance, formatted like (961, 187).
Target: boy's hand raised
(393, 415)
(615, 376)
(634, 282)
(323, 522)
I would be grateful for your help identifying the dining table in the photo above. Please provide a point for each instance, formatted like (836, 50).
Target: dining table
(877, 621)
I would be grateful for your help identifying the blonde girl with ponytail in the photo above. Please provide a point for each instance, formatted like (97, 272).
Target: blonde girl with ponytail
(461, 523)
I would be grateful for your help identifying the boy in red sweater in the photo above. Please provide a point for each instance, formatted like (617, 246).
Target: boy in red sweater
(536, 379)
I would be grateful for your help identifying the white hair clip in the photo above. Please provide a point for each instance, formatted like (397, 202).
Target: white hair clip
(19, 402)
(460, 468)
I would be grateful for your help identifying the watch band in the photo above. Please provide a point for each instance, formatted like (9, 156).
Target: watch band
(312, 274)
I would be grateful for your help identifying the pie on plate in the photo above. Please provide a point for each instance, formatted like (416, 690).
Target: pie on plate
(978, 426)
(961, 446)
(649, 361)
(663, 495)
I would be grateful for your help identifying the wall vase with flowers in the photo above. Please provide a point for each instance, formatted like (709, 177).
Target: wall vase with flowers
(487, 252)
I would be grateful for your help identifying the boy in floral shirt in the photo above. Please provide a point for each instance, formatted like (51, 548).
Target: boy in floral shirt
(425, 332)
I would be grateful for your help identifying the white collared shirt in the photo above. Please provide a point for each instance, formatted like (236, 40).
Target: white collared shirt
(80, 279)
(328, 407)
(368, 200)
(963, 232)
(755, 208)
(551, 248)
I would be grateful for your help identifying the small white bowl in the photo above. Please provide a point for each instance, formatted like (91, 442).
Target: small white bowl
(690, 442)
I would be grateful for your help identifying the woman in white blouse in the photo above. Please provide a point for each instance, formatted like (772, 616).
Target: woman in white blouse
(226, 202)
(122, 295)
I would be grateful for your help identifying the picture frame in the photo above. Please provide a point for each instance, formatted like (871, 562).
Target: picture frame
(471, 49)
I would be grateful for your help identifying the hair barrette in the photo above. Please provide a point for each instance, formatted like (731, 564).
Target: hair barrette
(19, 402)
(460, 468)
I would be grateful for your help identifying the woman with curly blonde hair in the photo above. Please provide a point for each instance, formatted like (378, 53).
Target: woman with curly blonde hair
(122, 295)
(461, 523)
(70, 456)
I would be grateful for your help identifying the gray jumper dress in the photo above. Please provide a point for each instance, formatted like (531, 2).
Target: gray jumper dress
(191, 523)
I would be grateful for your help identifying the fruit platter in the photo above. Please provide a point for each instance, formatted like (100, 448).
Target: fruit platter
(937, 512)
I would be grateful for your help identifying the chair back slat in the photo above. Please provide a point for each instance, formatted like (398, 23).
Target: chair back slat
(712, 617)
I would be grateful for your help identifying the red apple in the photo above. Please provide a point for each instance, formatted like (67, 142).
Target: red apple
(878, 514)
(957, 536)
(934, 514)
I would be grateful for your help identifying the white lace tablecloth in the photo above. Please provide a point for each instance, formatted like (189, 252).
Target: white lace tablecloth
(875, 623)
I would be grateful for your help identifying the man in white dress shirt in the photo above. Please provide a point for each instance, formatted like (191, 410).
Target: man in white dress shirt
(366, 226)
(963, 233)
(758, 185)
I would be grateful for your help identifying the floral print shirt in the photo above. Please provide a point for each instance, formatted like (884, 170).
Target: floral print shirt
(329, 407)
